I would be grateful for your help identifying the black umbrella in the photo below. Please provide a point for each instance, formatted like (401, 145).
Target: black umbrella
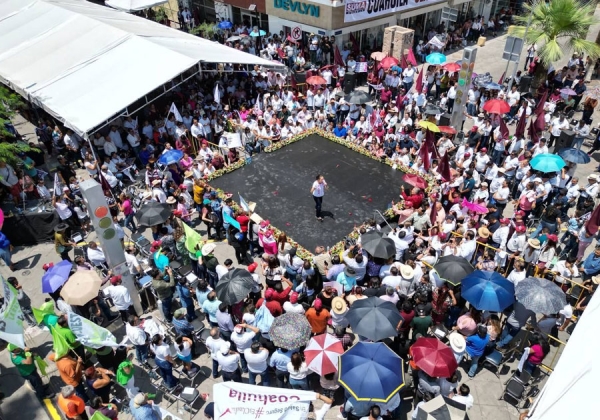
(379, 247)
(234, 286)
(453, 269)
(153, 213)
(374, 318)
(433, 110)
(358, 97)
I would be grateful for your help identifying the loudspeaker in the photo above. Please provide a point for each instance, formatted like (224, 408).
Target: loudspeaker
(349, 82)
(300, 77)
(565, 139)
(525, 83)
(445, 119)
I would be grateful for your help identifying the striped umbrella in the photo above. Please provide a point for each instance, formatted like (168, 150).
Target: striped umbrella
(322, 354)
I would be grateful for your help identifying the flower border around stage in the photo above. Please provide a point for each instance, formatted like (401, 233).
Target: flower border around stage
(339, 246)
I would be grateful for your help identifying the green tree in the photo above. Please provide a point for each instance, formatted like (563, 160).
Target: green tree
(10, 102)
(558, 28)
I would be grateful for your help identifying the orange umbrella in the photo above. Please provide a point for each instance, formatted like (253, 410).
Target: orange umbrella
(316, 80)
(451, 67)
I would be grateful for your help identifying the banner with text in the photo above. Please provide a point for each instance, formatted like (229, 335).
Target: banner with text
(357, 10)
(90, 334)
(237, 401)
(11, 317)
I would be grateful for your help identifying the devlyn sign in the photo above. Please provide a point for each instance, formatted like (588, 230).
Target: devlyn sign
(299, 7)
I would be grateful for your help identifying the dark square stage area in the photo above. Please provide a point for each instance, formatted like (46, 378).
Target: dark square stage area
(280, 182)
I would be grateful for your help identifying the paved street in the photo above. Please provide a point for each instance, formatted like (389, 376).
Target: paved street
(20, 401)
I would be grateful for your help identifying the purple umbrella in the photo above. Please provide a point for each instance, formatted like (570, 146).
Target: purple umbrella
(56, 276)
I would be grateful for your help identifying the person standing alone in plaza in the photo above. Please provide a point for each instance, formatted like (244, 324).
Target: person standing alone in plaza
(318, 191)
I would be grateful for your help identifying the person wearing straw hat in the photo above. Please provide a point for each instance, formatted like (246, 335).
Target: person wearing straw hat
(458, 345)
(339, 310)
(24, 361)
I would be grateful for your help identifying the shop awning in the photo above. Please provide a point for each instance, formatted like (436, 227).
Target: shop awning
(133, 5)
(84, 63)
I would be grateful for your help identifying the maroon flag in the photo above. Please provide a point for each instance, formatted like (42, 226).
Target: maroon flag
(444, 168)
(403, 62)
(501, 81)
(520, 130)
(337, 57)
(433, 214)
(104, 183)
(533, 134)
(411, 57)
(355, 47)
(503, 129)
(419, 83)
(540, 122)
(293, 82)
(430, 140)
(540, 106)
(424, 155)
(592, 225)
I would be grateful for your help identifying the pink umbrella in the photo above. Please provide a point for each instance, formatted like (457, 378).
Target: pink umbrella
(322, 353)
(477, 208)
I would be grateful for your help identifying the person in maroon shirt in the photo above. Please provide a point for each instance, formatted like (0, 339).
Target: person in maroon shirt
(415, 197)
(386, 95)
(272, 305)
(279, 294)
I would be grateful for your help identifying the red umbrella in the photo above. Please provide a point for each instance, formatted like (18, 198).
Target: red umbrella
(447, 129)
(496, 106)
(451, 67)
(520, 130)
(415, 181)
(434, 357)
(388, 62)
(316, 80)
(322, 353)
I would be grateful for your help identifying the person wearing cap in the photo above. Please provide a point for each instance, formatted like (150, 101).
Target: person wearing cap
(229, 361)
(318, 317)
(481, 195)
(272, 305)
(23, 359)
(590, 190)
(243, 336)
(516, 243)
(143, 409)
(292, 305)
(120, 297)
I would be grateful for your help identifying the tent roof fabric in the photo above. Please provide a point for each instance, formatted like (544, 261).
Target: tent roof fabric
(133, 5)
(85, 63)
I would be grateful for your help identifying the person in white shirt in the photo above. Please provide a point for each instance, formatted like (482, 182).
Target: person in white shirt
(256, 359)
(112, 180)
(467, 247)
(540, 148)
(500, 236)
(115, 136)
(318, 191)
(109, 147)
(230, 363)
(214, 343)
(581, 132)
(399, 241)
(132, 262)
(292, 305)
(120, 297)
(591, 189)
(95, 254)
(157, 193)
(557, 125)
(242, 337)
(513, 97)
(463, 396)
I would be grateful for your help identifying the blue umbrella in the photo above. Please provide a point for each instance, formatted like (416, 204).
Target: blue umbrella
(56, 276)
(225, 25)
(259, 33)
(436, 58)
(574, 155)
(494, 86)
(170, 156)
(371, 372)
(547, 162)
(488, 291)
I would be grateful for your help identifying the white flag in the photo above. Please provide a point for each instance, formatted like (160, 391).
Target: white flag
(57, 190)
(257, 104)
(90, 334)
(11, 317)
(175, 112)
(217, 94)
(243, 203)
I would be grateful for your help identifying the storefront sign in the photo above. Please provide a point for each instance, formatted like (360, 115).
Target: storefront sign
(357, 10)
(298, 7)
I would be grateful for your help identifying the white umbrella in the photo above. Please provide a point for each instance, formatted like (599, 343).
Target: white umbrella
(133, 5)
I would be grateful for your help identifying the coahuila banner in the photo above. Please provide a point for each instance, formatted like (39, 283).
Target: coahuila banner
(357, 10)
(237, 401)
(11, 317)
(90, 334)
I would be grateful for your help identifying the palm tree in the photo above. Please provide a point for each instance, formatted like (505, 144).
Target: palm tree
(558, 28)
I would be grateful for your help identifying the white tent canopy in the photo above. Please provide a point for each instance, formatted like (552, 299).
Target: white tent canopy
(133, 5)
(570, 392)
(84, 63)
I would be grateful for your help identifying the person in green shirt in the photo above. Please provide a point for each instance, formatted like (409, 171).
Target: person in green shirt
(23, 360)
(421, 324)
(62, 328)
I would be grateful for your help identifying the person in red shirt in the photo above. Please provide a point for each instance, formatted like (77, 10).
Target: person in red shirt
(279, 294)
(272, 305)
(243, 219)
(415, 197)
